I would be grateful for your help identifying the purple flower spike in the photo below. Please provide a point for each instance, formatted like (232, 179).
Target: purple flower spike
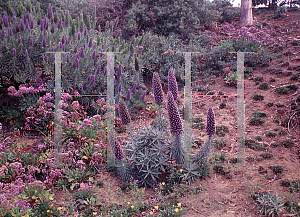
(53, 28)
(26, 53)
(31, 24)
(119, 71)
(15, 52)
(120, 87)
(17, 28)
(10, 32)
(46, 23)
(157, 89)
(134, 88)
(75, 50)
(50, 12)
(59, 23)
(63, 48)
(210, 125)
(123, 113)
(85, 32)
(66, 40)
(105, 71)
(90, 71)
(128, 95)
(82, 54)
(5, 20)
(20, 39)
(77, 63)
(143, 96)
(43, 57)
(98, 70)
(42, 25)
(53, 49)
(22, 27)
(60, 45)
(68, 58)
(119, 155)
(101, 54)
(27, 23)
(81, 28)
(94, 55)
(91, 42)
(174, 118)
(92, 80)
(31, 42)
(84, 46)
(172, 84)
(3, 32)
(79, 36)
(63, 39)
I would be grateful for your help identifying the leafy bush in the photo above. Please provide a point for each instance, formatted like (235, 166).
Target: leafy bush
(258, 97)
(270, 204)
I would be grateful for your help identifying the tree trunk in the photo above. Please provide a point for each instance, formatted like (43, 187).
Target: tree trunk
(246, 18)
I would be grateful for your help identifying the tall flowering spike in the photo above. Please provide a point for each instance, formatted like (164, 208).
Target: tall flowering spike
(15, 52)
(59, 23)
(172, 84)
(119, 71)
(27, 23)
(128, 95)
(134, 88)
(105, 71)
(77, 63)
(123, 113)
(5, 21)
(43, 56)
(22, 27)
(82, 53)
(63, 39)
(91, 42)
(20, 39)
(98, 70)
(75, 49)
(210, 124)
(17, 27)
(90, 71)
(79, 36)
(50, 12)
(53, 28)
(81, 28)
(119, 155)
(94, 55)
(157, 89)
(46, 23)
(92, 79)
(174, 118)
(143, 96)
(66, 40)
(42, 25)
(120, 87)
(68, 58)
(31, 24)
(85, 32)
(3, 32)
(10, 32)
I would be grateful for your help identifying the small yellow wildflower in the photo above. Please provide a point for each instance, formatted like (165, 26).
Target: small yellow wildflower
(132, 207)
(176, 210)
(48, 211)
(298, 204)
(180, 170)
(58, 208)
(163, 183)
(94, 213)
(85, 157)
(128, 202)
(51, 198)
(151, 213)
(179, 205)
(156, 207)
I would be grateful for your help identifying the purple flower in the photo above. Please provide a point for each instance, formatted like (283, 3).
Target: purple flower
(66, 40)
(157, 89)
(50, 12)
(26, 53)
(128, 95)
(22, 27)
(10, 32)
(3, 32)
(98, 70)
(42, 25)
(120, 87)
(59, 23)
(123, 113)
(84, 85)
(5, 21)
(92, 79)
(90, 70)
(81, 28)
(119, 71)
(75, 50)
(63, 48)
(84, 46)
(82, 54)
(174, 118)
(53, 28)
(105, 71)
(43, 57)
(15, 52)
(26, 23)
(79, 36)
(119, 155)
(68, 58)
(20, 39)
(31, 42)
(46, 23)
(101, 54)
(77, 63)
(172, 84)
(85, 32)
(91, 42)
(60, 45)
(94, 55)
(210, 124)
(52, 49)
(143, 96)
(63, 39)
(134, 88)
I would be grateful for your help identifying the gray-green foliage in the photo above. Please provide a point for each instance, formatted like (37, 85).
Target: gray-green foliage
(270, 205)
(148, 155)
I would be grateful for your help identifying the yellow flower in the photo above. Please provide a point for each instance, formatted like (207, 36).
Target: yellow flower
(51, 198)
(163, 183)
(180, 170)
(176, 210)
(156, 207)
(132, 207)
(128, 202)
(85, 157)
(94, 213)
(58, 208)
(48, 211)
(151, 213)
(179, 205)
(298, 204)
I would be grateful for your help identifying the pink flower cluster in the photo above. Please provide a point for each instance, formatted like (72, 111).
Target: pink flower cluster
(85, 187)
(24, 90)
(96, 158)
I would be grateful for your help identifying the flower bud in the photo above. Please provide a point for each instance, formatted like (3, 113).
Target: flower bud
(31, 42)
(31, 24)
(120, 87)
(94, 55)
(79, 36)
(10, 32)
(119, 71)
(3, 32)
(143, 96)
(85, 32)
(22, 27)
(68, 58)
(98, 70)
(52, 28)
(42, 25)
(91, 42)
(59, 23)
(26, 53)
(27, 23)
(15, 52)
(128, 95)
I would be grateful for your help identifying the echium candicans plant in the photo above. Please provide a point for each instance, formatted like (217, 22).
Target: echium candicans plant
(157, 89)
(201, 156)
(172, 84)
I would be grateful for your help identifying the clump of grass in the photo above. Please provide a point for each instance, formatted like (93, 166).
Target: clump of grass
(274, 144)
(264, 86)
(233, 160)
(282, 90)
(197, 120)
(249, 159)
(258, 79)
(219, 158)
(279, 105)
(276, 169)
(270, 104)
(221, 130)
(258, 138)
(295, 43)
(295, 77)
(257, 118)
(198, 123)
(222, 105)
(219, 143)
(250, 143)
(292, 87)
(287, 143)
(220, 169)
(258, 97)
(266, 155)
(271, 134)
